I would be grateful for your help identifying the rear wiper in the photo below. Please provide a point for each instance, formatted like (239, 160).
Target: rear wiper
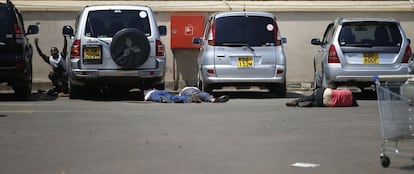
(360, 45)
(238, 44)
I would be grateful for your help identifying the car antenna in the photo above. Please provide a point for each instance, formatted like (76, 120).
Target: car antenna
(244, 5)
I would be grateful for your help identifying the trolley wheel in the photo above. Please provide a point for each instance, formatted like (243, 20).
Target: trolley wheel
(385, 161)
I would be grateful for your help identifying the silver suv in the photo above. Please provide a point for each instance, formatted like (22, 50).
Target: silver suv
(116, 46)
(242, 49)
(352, 51)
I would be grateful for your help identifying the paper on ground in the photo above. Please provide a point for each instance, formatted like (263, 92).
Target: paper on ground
(304, 165)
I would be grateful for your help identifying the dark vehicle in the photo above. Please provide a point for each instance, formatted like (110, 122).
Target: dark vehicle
(15, 50)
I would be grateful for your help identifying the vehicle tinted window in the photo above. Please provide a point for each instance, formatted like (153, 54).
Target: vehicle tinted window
(6, 29)
(105, 23)
(252, 30)
(370, 33)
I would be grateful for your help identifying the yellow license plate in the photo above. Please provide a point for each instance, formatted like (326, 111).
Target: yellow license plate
(245, 62)
(370, 58)
(92, 53)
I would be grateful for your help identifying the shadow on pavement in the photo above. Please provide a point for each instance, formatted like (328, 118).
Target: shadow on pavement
(35, 96)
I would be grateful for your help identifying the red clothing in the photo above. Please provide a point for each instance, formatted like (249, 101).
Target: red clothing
(341, 98)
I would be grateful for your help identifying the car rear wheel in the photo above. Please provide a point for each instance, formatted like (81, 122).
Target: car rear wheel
(129, 47)
(23, 90)
(278, 89)
(75, 91)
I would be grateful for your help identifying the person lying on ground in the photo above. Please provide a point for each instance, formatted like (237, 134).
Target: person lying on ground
(163, 96)
(326, 97)
(204, 96)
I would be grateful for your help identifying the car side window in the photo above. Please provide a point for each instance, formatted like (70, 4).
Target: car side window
(328, 34)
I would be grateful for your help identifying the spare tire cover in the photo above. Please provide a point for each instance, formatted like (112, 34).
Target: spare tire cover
(129, 47)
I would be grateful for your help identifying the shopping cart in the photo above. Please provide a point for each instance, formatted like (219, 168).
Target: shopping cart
(396, 113)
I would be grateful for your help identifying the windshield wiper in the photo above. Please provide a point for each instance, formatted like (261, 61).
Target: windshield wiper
(238, 44)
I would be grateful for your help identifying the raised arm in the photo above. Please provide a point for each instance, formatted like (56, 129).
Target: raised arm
(65, 46)
(44, 57)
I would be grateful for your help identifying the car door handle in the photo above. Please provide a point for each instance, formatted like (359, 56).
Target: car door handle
(221, 55)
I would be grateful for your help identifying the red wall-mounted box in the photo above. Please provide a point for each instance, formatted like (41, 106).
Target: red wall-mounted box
(184, 29)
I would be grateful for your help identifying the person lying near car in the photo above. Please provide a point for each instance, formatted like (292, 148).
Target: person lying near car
(163, 96)
(326, 97)
(204, 96)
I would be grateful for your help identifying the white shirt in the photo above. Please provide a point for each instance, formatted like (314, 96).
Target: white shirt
(54, 63)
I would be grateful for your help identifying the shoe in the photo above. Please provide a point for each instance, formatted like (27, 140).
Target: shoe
(195, 98)
(222, 99)
(305, 104)
(292, 103)
(52, 92)
(164, 100)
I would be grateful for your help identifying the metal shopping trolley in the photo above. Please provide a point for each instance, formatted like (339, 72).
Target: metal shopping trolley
(396, 113)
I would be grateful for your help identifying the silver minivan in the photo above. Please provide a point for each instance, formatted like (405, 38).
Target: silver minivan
(242, 49)
(353, 50)
(116, 46)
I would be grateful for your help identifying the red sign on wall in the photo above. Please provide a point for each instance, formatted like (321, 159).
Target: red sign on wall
(184, 29)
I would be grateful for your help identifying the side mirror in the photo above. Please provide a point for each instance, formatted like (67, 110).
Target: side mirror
(33, 29)
(316, 42)
(197, 41)
(67, 30)
(162, 30)
(409, 41)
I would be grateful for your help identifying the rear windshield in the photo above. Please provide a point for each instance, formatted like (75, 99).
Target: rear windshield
(6, 29)
(105, 23)
(370, 34)
(251, 30)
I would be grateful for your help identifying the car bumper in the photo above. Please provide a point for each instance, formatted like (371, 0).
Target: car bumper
(244, 81)
(340, 75)
(83, 77)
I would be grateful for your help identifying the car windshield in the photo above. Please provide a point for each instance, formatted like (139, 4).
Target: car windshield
(245, 30)
(370, 34)
(5, 23)
(105, 23)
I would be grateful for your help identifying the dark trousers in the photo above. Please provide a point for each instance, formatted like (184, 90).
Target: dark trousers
(316, 97)
(59, 81)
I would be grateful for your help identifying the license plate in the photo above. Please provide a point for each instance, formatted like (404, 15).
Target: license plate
(245, 62)
(370, 58)
(93, 52)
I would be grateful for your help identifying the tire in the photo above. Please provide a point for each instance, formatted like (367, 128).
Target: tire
(75, 92)
(316, 81)
(23, 89)
(385, 161)
(129, 48)
(278, 90)
(204, 87)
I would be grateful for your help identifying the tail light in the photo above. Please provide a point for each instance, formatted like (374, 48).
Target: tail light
(160, 49)
(212, 35)
(75, 49)
(279, 71)
(17, 29)
(20, 65)
(407, 54)
(278, 41)
(332, 55)
(19, 34)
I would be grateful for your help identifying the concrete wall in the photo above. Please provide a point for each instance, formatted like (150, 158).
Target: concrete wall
(299, 25)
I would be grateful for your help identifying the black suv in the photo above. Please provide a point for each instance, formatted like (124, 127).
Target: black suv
(15, 50)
